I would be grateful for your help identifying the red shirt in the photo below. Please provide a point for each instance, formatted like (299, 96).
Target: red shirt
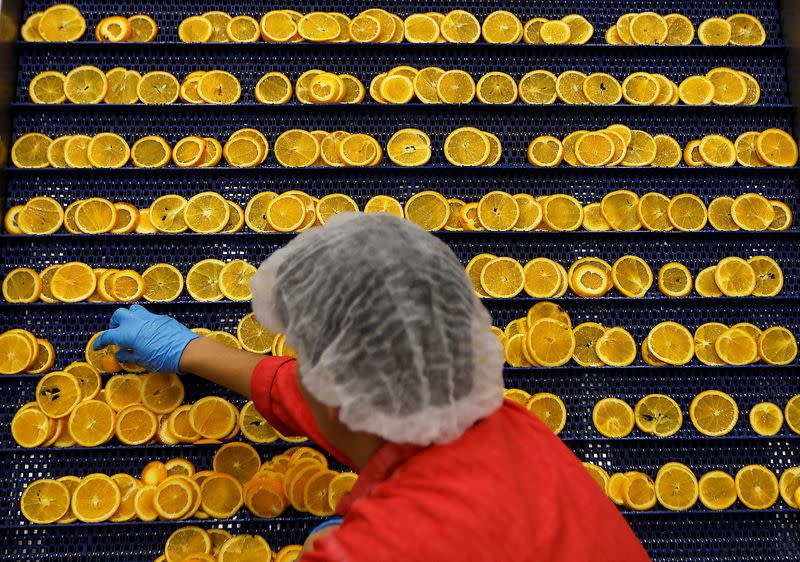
(506, 490)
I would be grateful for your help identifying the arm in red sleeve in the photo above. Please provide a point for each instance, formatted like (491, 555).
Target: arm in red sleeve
(276, 395)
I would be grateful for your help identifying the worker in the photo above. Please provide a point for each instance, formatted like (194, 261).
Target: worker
(399, 377)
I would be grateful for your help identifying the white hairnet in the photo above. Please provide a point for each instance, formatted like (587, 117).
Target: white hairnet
(386, 326)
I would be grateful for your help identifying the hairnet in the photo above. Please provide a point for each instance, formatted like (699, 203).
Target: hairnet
(386, 326)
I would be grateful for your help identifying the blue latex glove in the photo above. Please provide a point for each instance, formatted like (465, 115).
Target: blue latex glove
(153, 341)
(327, 523)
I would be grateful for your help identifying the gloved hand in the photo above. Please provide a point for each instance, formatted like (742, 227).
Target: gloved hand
(153, 341)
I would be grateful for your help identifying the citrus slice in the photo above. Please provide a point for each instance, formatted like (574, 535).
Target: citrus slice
(594, 149)
(747, 150)
(496, 88)
(212, 417)
(586, 337)
(714, 31)
(234, 280)
(580, 30)
(614, 488)
(221, 495)
(108, 150)
(135, 425)
(30, 427)
(602, 89)
(668, 152)
(641, 150)
(705, 339)
(502, 278)
(47, 87)
(619, 208)
(242, 29)
(735, 277)
(538, 87)
(318, 26)
(632, 276)
(150, 152)
(676, 487)
(334, 204)
(253, 425)
(717, 490)
(96, 498)
(648, 28)
(680, 30)
(409, 147)
(696, 90)
(753, 89)
(777, 148)
(671, 343)
(195, 29)
(590, 280)
(40, 215)
(459, 26)
(474, 269)
(497, 210)
(296, 148)
(652, 211)
(550, 410)
(420, 28)
(638, 492)
(86, 85)
(44, 501)
(746, 30)
(219, 87)
(57, 394)
(30, 151)
(162, 283)
(769, 276)
(202, 280)
(186, 543)
(555, 32)
(515, 352)
(640, 88)
(789, 484)
(687, 212)
(279, 26)
(114, 29)
(466, 146)
(61, 23)
(562, 212)
(273, 88)
(713, 413)
(206, 212)
(751, 211)
(766, 418)
(542, 278)
(757, 486)
(777, 346)
(174, 497)
(569, 87)
(158, 88)
(613, 418)
(546, 151)
(244, 547)
(162, 392)
(501, 26)
(550, 342)
(720, 214)
(143, 28)
(22, 285)
(659, 415)
(616, 347)
(73, 282)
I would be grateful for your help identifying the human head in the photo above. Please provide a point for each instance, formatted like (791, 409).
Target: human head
(387, 328)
